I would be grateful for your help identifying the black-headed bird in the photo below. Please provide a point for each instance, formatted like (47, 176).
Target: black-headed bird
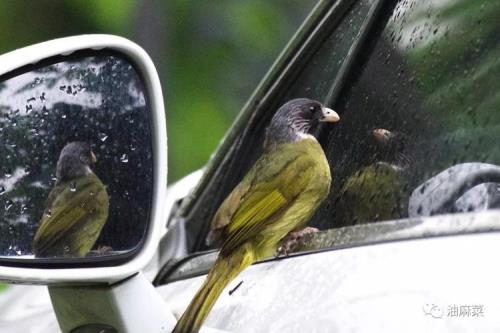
(277, 196)
(376, 192)
(76, 208)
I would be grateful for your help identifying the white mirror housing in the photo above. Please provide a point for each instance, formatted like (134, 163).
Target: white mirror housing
(89, 273)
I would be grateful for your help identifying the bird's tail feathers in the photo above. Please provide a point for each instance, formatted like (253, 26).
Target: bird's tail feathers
(222, 273)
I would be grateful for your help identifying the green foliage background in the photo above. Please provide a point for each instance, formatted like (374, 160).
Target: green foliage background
(210, 54)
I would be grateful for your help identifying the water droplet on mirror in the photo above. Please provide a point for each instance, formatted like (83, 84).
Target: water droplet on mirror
(24, 208)
(102, 136)
(8, 173)
(8, 204)
(124, 158)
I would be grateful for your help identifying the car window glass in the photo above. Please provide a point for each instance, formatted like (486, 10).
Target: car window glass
(420, 124)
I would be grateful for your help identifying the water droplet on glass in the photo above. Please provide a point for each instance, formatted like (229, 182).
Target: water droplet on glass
(124, 158)
(8, 173)
(8, 204)
(102, 136)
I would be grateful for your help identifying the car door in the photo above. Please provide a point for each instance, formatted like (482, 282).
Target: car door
(422, 69)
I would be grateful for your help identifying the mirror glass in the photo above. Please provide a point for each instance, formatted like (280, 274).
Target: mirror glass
(76, 165)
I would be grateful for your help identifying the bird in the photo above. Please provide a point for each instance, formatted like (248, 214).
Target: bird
(76, 208)
(276, 197)
(376, 192)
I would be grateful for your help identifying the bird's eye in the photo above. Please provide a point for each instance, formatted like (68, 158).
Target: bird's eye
(313, 109)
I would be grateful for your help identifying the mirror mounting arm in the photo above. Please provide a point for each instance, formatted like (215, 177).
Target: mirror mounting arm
(131, 305)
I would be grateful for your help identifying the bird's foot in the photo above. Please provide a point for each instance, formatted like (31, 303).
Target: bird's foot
(294, 240)
(101, 251)
(104, 249)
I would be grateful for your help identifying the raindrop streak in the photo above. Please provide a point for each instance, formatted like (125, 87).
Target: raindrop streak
(102, 136)
(124, 158)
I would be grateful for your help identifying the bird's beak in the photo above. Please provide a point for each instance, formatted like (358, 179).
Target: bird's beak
(381, 135)
(329, 116)
(92, 157)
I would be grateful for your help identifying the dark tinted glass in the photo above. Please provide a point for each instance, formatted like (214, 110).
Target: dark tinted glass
(429, 76)
(87, 116)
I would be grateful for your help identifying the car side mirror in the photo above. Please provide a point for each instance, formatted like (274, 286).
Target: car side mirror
(83, 166)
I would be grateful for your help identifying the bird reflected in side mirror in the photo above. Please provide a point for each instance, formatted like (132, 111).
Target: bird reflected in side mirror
(277, 197)
(76, 208)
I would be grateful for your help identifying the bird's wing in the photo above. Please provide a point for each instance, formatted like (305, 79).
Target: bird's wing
(274, 184)
(227, 209)
(69, 209)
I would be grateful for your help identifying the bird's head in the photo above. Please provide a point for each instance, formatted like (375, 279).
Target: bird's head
(75, 160)
(390, 146)
(295, 119)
